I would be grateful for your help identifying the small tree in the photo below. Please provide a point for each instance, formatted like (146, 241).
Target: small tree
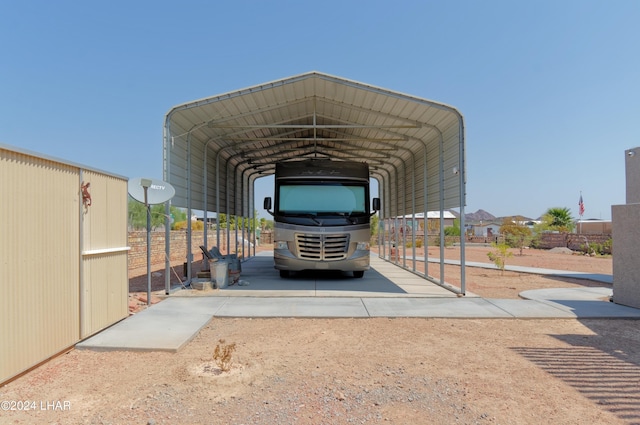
(138, 215)
(375, 221)
(222, 220)
(500, 255)
(516, 234)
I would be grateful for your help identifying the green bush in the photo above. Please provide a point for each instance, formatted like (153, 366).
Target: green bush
(418, 243)
(595, 248)
(182, 225)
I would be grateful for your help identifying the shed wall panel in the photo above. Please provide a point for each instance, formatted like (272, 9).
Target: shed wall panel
(104, 296)
(39, 253)
(43, 270)
(104, 253)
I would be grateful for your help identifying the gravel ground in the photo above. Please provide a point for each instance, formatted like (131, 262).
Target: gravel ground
(357, 371)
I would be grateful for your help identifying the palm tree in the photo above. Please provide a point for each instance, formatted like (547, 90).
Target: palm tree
(560, 219)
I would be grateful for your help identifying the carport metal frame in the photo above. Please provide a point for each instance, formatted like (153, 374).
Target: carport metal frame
(238, 137)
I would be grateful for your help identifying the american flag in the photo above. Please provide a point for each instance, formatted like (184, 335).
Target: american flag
(581, 205)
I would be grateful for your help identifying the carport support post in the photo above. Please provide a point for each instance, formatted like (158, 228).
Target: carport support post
(441, 204)
(463, 235)
(167, 247)
(205, 184)
(189, 211)
(146, 183)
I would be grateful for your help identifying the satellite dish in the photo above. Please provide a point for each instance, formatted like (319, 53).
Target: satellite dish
(158, 191)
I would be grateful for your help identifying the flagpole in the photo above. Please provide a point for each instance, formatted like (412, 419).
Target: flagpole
(580, 211)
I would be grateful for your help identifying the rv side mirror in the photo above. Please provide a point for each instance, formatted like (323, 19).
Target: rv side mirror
(267, 204)
(376, 204)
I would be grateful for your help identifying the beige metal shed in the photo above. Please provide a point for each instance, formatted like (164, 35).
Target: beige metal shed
(63, 256)
(215, 148)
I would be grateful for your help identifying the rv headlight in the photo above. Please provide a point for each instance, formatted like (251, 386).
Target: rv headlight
(362, 246)
(281, 245)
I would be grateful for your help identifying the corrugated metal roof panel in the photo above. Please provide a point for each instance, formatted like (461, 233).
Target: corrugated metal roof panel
(242, 134)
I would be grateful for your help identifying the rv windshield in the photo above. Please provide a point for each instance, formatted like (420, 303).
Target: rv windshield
(322, 199)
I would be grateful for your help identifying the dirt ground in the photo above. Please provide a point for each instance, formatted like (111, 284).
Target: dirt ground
(497, 284)
(360, 371)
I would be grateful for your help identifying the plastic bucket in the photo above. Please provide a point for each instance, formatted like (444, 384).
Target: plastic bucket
(212, 264)
(220, 273)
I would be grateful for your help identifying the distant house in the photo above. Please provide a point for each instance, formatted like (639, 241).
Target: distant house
(212, 219)
(524, 221)
(487, 229)
(433, 221)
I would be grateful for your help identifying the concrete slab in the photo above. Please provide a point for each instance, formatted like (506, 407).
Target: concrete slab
(587, 303)
(385, 291)
(265, 288)
(531, 309)
(587, 293)
(293, 307)
(261, 279)
(596, 309)
(438, 307)
(150, 330)
(198, 305)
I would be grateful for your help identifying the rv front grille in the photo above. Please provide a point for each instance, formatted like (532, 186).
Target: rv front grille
(322, 247)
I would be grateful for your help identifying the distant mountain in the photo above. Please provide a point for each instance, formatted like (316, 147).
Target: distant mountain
(516, 218)
(480, 215)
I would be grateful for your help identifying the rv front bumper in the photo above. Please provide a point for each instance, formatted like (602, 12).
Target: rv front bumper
(285, 260)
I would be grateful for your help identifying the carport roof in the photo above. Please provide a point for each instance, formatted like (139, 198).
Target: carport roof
(215, 148)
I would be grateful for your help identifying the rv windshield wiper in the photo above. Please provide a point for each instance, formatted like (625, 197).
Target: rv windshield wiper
(349, 216)
(312, 217)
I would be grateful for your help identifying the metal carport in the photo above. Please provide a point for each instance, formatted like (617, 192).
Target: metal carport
(215, 148)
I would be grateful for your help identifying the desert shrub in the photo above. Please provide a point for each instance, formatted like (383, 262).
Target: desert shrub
(417, 243)
(182, 225)
(595, 248)
(448, 241)
(222, 355)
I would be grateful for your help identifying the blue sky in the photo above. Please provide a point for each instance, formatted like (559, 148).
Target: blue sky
(549, 89)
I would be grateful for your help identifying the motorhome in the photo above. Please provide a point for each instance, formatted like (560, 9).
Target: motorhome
(321, 216)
